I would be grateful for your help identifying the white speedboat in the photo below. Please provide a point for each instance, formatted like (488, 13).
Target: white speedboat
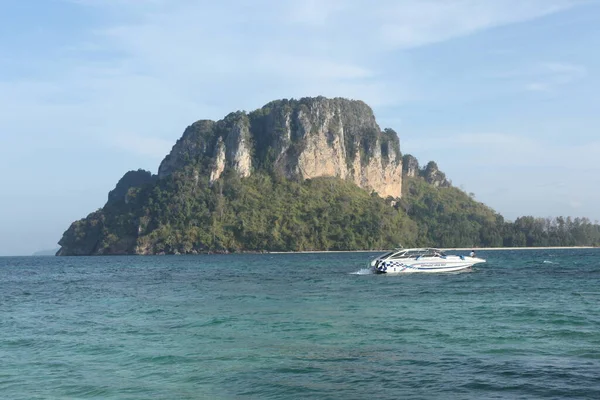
(422, 260)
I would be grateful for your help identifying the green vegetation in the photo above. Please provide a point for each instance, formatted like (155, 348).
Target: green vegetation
(389, 142)
(180, 211)
(531, 232)
(130, 179)
(448, 217)
(261, 212)
(266, 212)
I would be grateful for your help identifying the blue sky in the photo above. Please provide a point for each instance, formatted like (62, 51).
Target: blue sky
(502, 94)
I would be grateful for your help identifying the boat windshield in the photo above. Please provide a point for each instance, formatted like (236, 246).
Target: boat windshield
(386, 255)
(414, 253)
(433, 253)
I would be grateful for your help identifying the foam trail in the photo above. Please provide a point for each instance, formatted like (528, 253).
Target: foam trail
(549, 262)
(364, 271)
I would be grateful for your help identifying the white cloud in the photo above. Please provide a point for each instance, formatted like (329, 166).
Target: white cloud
(119, 3)
(570, 70)
(544, 77)
(131, 74)
(551, 75)
(146, 146)
(410, 24)
(499, 150)
(295, 67)
(203, 49)
(493, 139)
(185, 59)
(538, 87)
(314, 13)
(472, 141)
(575, 204)
(401, 24)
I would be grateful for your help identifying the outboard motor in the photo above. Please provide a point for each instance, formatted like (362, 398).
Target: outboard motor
(380, 267)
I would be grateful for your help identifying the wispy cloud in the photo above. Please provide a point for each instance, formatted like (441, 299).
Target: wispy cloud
(504, 149)
(549, 76)
(188, 58)
(295, 67)
(471, 141)
(410, 24)
(544, 76)
(125, 77)
(315, 13)
(142, 145)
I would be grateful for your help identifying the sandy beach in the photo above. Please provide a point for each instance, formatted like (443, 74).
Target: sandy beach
(443, 249)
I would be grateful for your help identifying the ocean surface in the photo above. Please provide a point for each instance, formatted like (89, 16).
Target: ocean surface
(525, 325)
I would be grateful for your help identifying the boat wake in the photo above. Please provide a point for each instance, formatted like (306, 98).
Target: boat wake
(549, 262)
(364, 271)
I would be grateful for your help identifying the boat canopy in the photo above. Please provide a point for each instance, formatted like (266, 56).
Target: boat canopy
(413, 253)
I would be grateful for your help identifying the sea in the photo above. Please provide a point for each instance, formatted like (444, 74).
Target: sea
(524, 325)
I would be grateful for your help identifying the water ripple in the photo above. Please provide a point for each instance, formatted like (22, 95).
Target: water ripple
(298, 326)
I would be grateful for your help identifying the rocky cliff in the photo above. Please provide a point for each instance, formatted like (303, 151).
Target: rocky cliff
(410, 166)
(207, 181)
(300, 139)
(290, 176)
(130, 180)
(432, 175)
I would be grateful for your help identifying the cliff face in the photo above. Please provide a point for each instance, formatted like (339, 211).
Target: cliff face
(130, 180)
(301, 139)
(186, 202)
(410, 166)
(341, 138)
(434, 176)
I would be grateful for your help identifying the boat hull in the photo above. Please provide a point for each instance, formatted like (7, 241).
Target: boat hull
(426, 266)
(424, 269)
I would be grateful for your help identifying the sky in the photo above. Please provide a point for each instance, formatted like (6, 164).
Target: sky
(502, 94)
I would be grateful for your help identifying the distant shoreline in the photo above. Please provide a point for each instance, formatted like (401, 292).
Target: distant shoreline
(341, 251)
(523, 248)
(443, 249)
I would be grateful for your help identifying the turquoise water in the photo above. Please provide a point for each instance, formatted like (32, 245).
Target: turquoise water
(292, 326)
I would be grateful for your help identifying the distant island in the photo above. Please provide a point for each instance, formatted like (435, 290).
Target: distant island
(313, 174)
(47, 252)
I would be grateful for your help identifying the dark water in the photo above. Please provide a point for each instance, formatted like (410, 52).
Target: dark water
(525, 325)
